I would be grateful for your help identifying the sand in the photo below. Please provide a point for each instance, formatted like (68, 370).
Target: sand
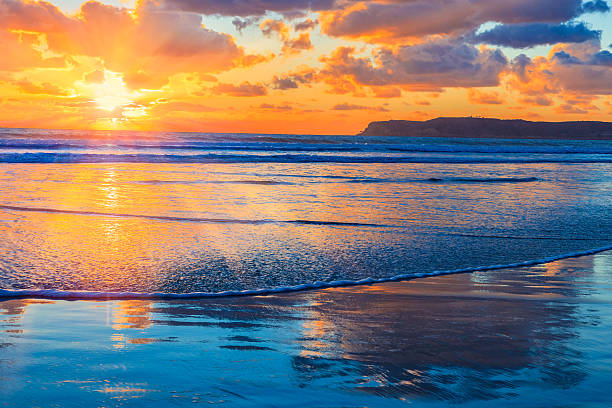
(534, 336)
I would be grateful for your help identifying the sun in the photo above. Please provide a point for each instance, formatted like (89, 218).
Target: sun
(112, 94)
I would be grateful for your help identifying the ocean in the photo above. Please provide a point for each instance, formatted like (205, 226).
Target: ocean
(97, 214)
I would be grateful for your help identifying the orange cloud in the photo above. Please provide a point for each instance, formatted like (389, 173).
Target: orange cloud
(45, 88)
(245, 89)
(22, 50)
(484, 98)
(348, 107)
(147, 45)
(302, 42)
(569, 73)
(387, 92)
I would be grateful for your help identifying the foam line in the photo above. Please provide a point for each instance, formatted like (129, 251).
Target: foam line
(56, 158)
(91, 295)
(458, 180)
(299, 144)
(189, 219)
(522, 237)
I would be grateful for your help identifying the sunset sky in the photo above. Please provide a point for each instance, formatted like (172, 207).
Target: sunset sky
(297, 66)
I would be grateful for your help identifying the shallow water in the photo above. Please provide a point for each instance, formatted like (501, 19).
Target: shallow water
(181, 213)
(536, 336)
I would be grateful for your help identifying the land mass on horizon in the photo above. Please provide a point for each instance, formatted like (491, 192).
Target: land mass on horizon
(466, 127)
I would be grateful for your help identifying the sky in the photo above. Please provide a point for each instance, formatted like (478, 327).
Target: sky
(300, 66)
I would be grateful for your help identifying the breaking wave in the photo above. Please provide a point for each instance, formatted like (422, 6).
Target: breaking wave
(99, 295)
(46, 157)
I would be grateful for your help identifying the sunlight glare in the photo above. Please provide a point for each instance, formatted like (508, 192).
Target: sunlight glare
(112, 93)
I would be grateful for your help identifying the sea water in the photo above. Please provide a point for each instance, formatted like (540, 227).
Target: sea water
(183, 213)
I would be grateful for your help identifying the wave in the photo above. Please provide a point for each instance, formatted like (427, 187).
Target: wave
(352, 180)
(367, 147)
(189, 219)
(270, 143)
(253, 182)
(518, 237)
(95, 295)
(449, 180)
(279, 158)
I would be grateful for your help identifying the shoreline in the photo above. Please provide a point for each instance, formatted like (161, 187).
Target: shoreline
(54, 294)
(528, 336)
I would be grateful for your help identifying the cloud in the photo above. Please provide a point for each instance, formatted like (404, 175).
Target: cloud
(32, 16)
(529, 35)
(246, 89)
(484, 98)
(570, 109)
(519, 66)
(293, 80)
(44, 88)
(147, 45)
(537, 100)
(305, 25)
(595, 6)
(428, 66)
(571, 72)
(23, 50)
(387, 92)
(603, 58)
(267, 106)
(284, 83)
(384, 21)
(245, 8)
(271, 27)
(295, 45)
(242, 23)
(96, 76)
(348, 107)
(565, 58)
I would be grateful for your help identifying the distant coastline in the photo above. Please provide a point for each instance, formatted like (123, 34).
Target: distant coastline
(466, 127)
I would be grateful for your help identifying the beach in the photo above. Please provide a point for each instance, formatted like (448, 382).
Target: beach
(167, 269)
(533, 336)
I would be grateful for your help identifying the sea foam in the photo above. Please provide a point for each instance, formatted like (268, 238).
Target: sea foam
(100, 295)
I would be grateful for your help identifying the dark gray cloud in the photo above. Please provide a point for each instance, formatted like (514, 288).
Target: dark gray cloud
(284, 83)
(293, 80)
(242, 23)
(435, 64)
(305, 25)
(529, 35)
(386, 20)
(349, 106)
(603, 57)
(596, 6)
(519, 66)
(245, 8)
(600, 58)
(566, 58)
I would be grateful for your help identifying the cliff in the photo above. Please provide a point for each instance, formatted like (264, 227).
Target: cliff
(493, 128)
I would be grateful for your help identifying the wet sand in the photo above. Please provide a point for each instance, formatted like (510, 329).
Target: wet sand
(535, 336)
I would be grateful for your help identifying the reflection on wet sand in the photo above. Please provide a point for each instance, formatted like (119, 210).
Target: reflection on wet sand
(510, 335)
(433, 338)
